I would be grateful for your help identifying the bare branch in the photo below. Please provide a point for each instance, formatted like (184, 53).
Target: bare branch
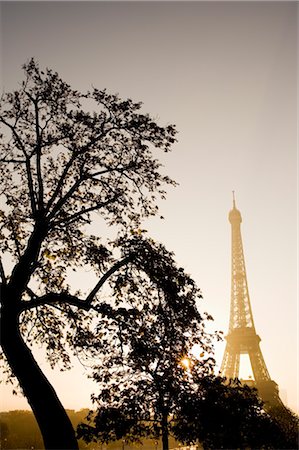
(13, 130)
(31, 294)
(110, 272)
(15, 238)
(83, 211)
(131, 165)
(65, 198)
(30, 187)
(60, 182)
(38, 158)
(27, 161)
(30, 96)
(15, 161)
(73, 189)
(51, 298)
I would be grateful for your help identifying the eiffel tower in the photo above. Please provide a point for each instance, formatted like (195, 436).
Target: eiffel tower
(242, 337)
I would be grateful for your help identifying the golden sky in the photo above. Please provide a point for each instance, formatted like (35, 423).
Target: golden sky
(225, 73)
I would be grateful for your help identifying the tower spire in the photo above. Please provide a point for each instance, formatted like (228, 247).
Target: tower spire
(234, 200)
(242, 337)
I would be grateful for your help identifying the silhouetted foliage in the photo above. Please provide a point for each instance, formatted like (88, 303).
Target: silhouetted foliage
(142, 377)
(229, 416)
(286, 426)
(62, 169)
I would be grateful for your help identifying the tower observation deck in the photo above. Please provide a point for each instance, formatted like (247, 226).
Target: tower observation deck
(242, 337)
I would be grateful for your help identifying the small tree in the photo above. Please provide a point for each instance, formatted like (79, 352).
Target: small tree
(222, 415)
(286, 424)
(60, 166)
(147, 364)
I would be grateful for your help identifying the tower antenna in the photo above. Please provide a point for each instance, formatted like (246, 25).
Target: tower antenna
(234, 199)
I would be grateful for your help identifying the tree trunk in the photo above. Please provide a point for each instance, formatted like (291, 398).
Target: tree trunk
(54, 424)
(164, 426)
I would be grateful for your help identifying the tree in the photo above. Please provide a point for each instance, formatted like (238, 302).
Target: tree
(286, 424)
(229, 415)
(146, 371)
(63, 167)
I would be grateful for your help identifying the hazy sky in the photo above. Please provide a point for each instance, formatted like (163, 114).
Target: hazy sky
(225, 73)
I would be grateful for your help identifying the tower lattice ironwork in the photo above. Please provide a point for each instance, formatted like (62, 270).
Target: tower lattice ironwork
(242, 337)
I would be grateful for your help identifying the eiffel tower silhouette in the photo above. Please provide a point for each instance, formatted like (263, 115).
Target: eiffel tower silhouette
(242, 337)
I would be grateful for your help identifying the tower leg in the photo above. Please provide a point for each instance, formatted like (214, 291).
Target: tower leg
(231, 363)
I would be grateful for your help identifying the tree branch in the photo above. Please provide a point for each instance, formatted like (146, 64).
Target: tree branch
(27, 162)
(65, 198)
(51, 298)
(13, 130)
(15, 238)
(131, 165)
(110, 272)
(60, 182)
(74, 216)
(31, 293)
(69, 164)
(38, 158)
(15, 161)
(30, 187)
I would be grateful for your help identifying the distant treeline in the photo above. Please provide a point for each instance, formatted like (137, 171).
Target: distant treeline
(19, 430)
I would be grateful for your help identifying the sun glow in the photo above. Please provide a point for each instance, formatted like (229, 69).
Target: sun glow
(186, 363)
